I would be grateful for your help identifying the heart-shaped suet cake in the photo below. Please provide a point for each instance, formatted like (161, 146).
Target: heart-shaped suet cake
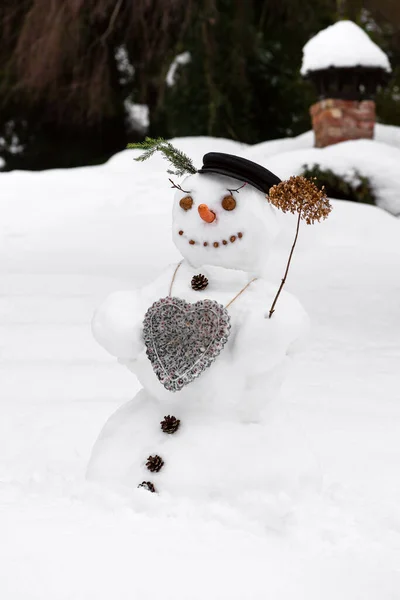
(184, 339)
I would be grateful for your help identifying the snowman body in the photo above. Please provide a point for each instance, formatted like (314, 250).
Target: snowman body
(234, 439)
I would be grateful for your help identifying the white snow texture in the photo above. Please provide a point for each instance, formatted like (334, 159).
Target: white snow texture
(70, 238)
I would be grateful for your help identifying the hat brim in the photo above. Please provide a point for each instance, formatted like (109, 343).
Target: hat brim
(240, 169)
(231, 175)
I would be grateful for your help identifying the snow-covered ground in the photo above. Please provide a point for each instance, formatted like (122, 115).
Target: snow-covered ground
(68, 238)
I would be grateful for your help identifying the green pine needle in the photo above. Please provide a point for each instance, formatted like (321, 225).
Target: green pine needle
(177, 158)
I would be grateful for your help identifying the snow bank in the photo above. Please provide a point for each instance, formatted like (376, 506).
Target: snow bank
(377, 161)
(388, 134)
(194, 147)
(273, 147)
(343, 44)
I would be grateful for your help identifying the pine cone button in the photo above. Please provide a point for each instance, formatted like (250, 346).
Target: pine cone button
(147, 485)
(170, 424)
(155, 463)
(199, 282)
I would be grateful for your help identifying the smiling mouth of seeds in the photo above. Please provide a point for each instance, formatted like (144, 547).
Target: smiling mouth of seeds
(231, 240)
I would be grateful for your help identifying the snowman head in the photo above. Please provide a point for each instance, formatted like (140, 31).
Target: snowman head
(221, 215)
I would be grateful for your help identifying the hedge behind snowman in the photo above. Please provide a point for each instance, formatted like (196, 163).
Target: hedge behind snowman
(209, 342)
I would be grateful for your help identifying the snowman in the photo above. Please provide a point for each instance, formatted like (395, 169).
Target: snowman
(207, 423)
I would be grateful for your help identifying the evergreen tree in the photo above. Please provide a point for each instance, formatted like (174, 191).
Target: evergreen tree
(68, 70)
(61, 91)
(243, 80)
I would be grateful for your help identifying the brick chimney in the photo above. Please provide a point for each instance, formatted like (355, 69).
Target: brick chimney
(336, 120)
(347, 69)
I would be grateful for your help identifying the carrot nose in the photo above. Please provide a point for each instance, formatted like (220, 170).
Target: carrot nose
(205, 213)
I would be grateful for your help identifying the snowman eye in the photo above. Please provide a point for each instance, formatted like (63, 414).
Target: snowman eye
(229, 203)
(186, 203)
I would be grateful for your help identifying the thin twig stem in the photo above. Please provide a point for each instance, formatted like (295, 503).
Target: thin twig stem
(237, 189)
(111, 23)
(178, 187)
(272, 309)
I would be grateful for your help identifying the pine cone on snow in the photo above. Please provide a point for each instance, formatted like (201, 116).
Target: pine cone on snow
(170, 424)
(147, 485)
(155, 463)
(199, 282)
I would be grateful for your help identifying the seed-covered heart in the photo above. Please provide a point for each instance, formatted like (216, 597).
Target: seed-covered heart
(184, 339)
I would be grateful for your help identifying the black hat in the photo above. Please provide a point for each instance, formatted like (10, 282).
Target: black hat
(239, 168)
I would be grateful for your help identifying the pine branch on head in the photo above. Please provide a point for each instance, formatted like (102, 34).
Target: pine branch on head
(179, 160)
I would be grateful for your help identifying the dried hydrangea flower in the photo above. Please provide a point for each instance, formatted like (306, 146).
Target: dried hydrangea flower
(298, 195)
(301, 195)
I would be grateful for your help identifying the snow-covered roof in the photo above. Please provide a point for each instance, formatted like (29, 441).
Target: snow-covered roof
(343, 44)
